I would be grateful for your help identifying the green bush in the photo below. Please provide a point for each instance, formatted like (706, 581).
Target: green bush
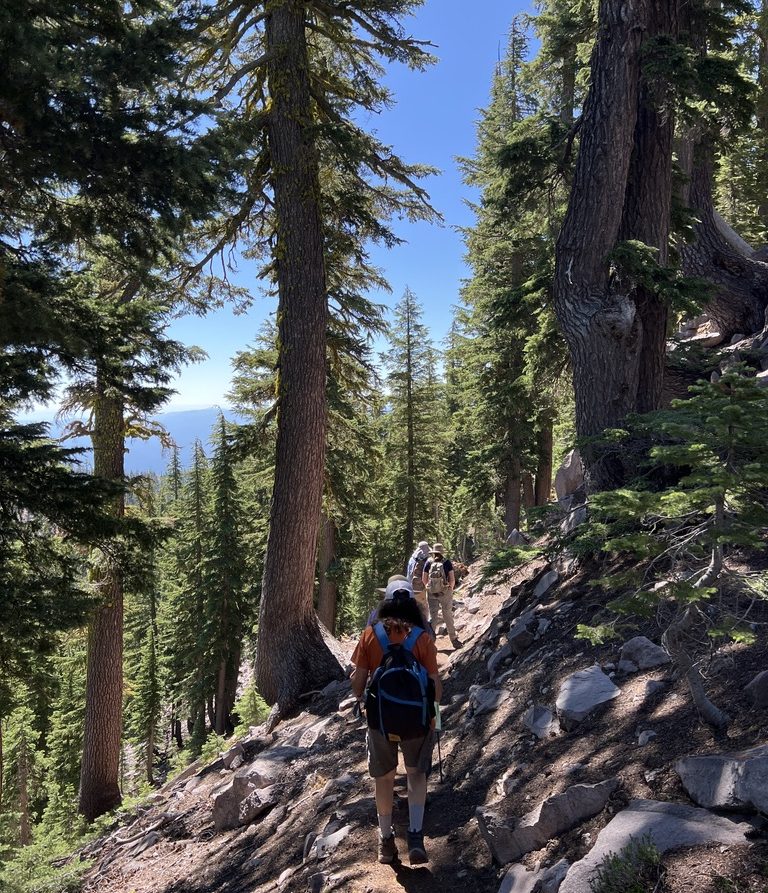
(636, 869)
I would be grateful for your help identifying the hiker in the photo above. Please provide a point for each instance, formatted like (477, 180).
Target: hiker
(381, 592)
(413, 573)
(439, 581)
(399, 706)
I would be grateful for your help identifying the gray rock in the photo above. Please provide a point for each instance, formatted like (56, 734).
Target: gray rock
(669, 826)
(581, 693)
(545, 584)
(484, 700)
(317, 733)
(541, 880)
(257, 803)
(144, 843)
(569, 476)
(577, 515)
(644, 737)
(498, 658)
(543, 625)
(731, 780)
(762, 378)
(233, 754)
(627, 666)
(758, 689)
(644, 653)
(554, 816)
(472, 607)
(540, 721)
(516, 538)
(326, 843)
(522, 632)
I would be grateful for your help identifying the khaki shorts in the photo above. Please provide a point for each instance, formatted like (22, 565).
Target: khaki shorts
(382, 754)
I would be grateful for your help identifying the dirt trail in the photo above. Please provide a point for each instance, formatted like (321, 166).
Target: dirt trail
(188, 855)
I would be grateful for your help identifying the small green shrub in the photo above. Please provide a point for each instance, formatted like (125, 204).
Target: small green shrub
(251, 708)
(506, 558)
(636, 869)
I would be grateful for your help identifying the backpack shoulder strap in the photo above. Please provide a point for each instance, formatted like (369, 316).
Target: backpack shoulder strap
(381, 635)
(413, 636)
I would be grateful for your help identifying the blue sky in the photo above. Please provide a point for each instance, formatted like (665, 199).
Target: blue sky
(432, 122)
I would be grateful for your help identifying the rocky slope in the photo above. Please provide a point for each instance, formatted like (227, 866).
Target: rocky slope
(554, 753)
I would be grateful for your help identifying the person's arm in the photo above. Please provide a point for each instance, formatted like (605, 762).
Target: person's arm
(452, 579)
(438, 686)
(359, 680)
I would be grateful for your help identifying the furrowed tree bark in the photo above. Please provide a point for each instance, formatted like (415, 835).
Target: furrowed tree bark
(739, 281)
(292, 656)
(327, 587)
(616, 328)
(100, 771)
(600, 322)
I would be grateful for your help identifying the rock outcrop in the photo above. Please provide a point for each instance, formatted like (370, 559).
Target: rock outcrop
(668, 826)
(727, 780)
(581, 693)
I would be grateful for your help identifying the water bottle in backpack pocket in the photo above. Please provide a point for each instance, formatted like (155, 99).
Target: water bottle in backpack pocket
(400, 698)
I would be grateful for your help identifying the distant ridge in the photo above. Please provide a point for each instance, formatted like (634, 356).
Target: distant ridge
(148, 456)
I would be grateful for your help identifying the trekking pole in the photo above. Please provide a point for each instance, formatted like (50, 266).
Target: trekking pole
(439, 757)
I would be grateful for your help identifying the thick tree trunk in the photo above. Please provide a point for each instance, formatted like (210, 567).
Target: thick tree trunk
(740, 283)
(327, 588)
(292, 656)
(100, 771)
(543, 489)
(529, 491)
(616, 329)
(598, 319)
(512, 497)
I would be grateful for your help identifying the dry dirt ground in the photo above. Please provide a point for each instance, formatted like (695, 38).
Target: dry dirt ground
(190, 856)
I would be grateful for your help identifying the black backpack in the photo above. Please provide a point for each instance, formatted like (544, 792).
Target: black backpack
(400, 697)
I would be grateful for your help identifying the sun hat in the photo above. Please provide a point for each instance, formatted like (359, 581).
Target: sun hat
(396, 586)
(424, 546)
(437, 549)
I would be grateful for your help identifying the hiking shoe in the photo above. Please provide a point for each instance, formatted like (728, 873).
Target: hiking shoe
(416, 852)
(387, 849)
(457, 643)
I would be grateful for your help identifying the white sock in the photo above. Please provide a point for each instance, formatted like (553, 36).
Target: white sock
(385, 825)
(416, 817)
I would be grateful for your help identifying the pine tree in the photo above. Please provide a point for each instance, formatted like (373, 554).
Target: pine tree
(226, 610)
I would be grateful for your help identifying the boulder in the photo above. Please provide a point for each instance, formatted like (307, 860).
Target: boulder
(642, 652)
(257, 803)
(522, 632)
(627, 666)
(234, 755)
(758, 689)
(515, 538)
(727, 780)
(577, 515)
(552, 817)
(546, 582)
(540, 880)
(569, 476)
(581, 693)
(498, 658)
(317, 733)
(324, 844)
(540, 721)
(645, 737)
(668, 825)
(762, 378)
(485, 700)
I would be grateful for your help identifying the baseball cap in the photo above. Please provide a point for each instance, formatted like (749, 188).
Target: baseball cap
(397, 586)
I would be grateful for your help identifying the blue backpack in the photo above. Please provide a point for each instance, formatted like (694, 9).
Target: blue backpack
(399, 701)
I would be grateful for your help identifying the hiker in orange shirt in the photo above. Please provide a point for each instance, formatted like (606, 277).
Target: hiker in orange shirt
(398, 656)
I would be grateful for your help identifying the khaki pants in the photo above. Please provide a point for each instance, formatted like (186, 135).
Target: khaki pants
(421, 600)
(444, 602)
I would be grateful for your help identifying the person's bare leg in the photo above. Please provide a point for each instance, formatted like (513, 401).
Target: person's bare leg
(417, 797)
(385, 792)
